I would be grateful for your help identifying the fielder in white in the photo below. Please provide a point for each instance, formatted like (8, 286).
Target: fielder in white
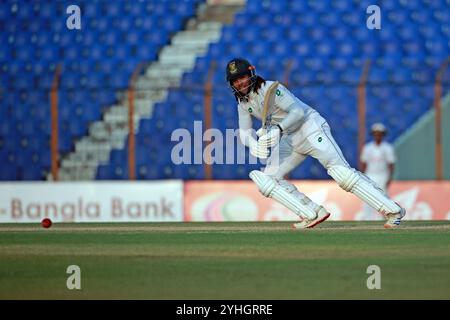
(294, 131)
(377, 162)
(378, 158)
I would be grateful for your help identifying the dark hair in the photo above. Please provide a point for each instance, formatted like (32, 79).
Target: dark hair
(258, 83)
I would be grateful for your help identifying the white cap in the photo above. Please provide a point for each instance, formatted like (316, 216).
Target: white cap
(378, 127)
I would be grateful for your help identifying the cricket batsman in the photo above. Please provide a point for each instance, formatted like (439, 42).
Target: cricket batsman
(293, 131)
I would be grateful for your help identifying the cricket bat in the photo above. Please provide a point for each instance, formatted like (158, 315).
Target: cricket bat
(269, 99)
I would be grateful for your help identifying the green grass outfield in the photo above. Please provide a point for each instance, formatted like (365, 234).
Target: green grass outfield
(265, 260)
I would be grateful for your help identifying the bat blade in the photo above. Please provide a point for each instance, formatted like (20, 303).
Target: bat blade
(269, 99)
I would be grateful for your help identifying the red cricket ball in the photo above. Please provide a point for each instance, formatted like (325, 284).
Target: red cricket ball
(46, 223)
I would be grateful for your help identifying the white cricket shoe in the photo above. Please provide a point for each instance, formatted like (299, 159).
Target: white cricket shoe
(394, 219)
(322, 215)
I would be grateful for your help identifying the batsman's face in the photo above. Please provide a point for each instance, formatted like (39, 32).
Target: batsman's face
(242, 84)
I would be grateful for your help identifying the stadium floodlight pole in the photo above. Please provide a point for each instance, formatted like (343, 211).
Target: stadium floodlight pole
(438, 118)
(131, 136)
(207, 114)
(362, 108)
(287, 72)
(54, 123)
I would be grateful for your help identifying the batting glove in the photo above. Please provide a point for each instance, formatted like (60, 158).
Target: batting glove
(270, 139)
(258, 151)
(261, 132)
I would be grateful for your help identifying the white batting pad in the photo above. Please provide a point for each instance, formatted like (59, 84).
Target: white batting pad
(353, 181)
(271, 189)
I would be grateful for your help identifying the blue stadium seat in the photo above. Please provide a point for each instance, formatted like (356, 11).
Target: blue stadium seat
(298, 7)
(8, 173)
(103, 172)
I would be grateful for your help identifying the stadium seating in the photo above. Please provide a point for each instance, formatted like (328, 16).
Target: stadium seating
(326, 42)
(96, 61)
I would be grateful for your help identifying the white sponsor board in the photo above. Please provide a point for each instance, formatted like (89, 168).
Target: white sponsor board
(102, 201)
